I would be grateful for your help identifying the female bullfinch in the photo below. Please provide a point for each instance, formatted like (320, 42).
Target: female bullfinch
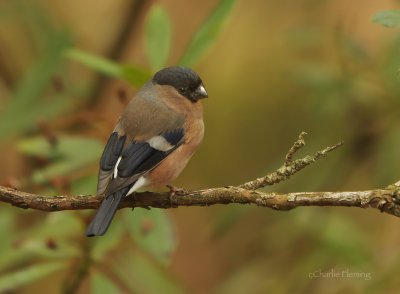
(153, 140)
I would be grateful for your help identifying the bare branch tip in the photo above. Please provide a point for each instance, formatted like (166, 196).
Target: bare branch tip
(337, 145)
(298, 144)
(302, 134)
(397, 184)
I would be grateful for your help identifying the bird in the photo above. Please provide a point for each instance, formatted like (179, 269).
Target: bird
(153, 140)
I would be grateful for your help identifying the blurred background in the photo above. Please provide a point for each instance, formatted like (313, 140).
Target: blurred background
(272, 69)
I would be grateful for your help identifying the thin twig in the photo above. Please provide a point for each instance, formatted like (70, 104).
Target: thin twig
(290, 167)
(300, 142)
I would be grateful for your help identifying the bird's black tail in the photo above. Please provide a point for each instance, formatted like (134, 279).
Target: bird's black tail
(105, 214)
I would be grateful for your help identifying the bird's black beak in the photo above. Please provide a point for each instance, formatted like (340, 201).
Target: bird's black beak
(201, 92)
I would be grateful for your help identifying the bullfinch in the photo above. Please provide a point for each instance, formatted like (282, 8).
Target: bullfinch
(155, 137)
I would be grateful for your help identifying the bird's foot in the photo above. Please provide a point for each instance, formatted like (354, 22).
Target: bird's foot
(174, 191)
(133, 200)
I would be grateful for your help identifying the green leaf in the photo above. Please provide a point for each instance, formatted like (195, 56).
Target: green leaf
(153, 231)
(388, 156)
(59, 225)
(158, 37)
(142, 275)
(207, 34)
(100, 284)
(97, 63)
(390, 69)
(10, 282)
(68, 155)
(133, 74)
(387, 18)
(10, 257)
(39, 248)
(108, 242)
(58, 228)
(7, 229)
(85, 185)
(25, 107)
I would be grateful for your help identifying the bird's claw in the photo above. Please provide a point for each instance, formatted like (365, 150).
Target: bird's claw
(133, 200)
(174, 191)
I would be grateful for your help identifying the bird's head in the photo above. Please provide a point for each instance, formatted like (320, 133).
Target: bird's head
(184, 80)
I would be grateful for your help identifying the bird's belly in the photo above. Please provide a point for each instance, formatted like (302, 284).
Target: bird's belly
(169, 169)
(174, 163)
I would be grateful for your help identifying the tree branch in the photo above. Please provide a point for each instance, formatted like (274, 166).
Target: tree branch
(386, 200)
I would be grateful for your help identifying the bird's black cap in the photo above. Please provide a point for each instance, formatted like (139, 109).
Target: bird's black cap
(184, 80)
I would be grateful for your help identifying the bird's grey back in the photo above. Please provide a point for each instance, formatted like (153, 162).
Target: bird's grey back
(147, 114)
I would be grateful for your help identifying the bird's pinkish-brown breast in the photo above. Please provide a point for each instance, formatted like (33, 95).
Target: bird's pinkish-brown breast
(173, 165)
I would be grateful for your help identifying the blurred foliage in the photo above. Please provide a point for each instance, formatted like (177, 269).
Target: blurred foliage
(152, 230)
(30, 88)
(133, 74)
(65, 156)
(387, 18)
(28, 275)
(101, 284)
(207, 34)
(319, 73)
(158, 33)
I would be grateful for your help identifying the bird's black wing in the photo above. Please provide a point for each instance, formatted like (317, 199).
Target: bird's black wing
(121, 165)
(112, 151)
(140, 157)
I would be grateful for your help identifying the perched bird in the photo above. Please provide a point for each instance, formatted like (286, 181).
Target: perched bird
(154, 139)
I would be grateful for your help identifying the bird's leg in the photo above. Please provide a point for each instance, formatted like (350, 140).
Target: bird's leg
(174, 191)
(133, 199)
(133, 196)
